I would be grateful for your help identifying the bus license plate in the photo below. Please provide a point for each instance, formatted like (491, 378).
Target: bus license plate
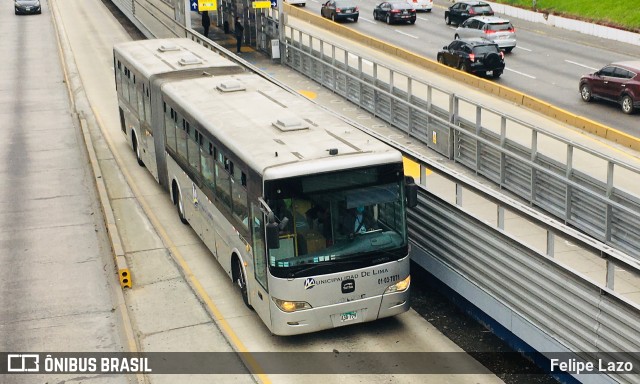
(348, 316)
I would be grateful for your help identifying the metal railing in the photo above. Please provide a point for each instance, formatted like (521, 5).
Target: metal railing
(479, 137)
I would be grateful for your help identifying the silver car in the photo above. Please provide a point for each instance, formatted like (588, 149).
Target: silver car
(498, 30)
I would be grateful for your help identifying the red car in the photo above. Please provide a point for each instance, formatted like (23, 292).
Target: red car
(618, 82)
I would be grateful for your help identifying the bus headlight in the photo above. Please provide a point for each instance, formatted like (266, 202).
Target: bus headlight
(400, 286)
(291, 306)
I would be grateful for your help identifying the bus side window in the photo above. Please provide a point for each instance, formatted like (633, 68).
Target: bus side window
(239, 193)
(170, 128)
(119, 78)
(223, 182)
(193, 148)
(140, 92)
(206, 162)
(132, 91)
(147, 106)
(181, 139)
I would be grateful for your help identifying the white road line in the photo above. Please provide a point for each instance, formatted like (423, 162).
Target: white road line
(581, 65)
(524, 49)
(520, 73)
(423, 18)
(367, 20)
(406, 34)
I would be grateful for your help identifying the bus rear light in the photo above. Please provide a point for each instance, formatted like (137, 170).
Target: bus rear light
(291, 306)
(400, 286)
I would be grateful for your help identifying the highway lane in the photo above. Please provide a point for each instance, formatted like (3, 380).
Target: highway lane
(547, 62)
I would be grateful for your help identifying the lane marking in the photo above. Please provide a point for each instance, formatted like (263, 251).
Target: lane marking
(524, 49)
(423, 18)
(581, 65)
(520, 73)
(367, 20)
(406, 34)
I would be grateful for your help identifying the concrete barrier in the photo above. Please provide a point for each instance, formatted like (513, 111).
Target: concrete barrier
(472, 80)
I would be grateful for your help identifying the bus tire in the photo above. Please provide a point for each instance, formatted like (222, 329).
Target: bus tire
(136, 149)
(241, 281)
(177, 200)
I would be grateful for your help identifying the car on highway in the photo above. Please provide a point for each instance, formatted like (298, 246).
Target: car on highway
(618, 82)
(26, 7)
(395, 12)
(496, 29)
(422, 5)
(462, 10)
(474, 55)
(340, 10)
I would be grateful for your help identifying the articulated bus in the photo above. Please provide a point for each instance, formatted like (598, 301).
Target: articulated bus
(304, 212)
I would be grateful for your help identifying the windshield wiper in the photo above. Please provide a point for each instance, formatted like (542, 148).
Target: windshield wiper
(322, 264)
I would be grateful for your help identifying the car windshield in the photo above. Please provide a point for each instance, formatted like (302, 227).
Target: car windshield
(484, 49)
(505, 26)
(345, 4)
(400, 5)
(482, 9)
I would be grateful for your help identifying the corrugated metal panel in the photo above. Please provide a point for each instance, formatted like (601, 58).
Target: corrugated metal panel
(575, 312)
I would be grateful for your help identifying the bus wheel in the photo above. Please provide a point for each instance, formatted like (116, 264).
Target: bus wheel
(177, 200)
(136, 149)
(241, 281)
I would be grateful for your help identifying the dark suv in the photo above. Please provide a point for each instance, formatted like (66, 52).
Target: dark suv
(478, 56)
(462, 10)
(618, 82)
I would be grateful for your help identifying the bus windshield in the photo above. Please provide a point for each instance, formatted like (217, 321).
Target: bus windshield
(338, 221)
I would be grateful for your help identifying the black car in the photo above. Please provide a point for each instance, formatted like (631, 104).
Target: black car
(477, 56)
(393, 12)
(462, 10)
(340, 10)
(25, 7)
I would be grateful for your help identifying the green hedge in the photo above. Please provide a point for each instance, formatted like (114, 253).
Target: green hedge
(615, 13)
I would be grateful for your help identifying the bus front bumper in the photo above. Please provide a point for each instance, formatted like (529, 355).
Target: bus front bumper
(338, 315)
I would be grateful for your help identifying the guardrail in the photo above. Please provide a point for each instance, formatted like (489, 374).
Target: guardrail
(478, 137)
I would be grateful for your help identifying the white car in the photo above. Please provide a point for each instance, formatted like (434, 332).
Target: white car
(421, 5)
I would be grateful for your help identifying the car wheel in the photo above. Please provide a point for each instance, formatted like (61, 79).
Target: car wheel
(441, 59)
(456, 37)
(333, 17)
(388, 19)
(375, 15)
(464, 67)
(627, 104)
(585, 92)
(447, 20)
(497, 73)
(412, 21)
(508, 50)
(355, 19)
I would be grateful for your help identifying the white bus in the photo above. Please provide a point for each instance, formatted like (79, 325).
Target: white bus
(305, 213)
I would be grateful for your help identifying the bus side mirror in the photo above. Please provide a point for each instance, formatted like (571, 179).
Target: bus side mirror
(411, 191)
(273, 231)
